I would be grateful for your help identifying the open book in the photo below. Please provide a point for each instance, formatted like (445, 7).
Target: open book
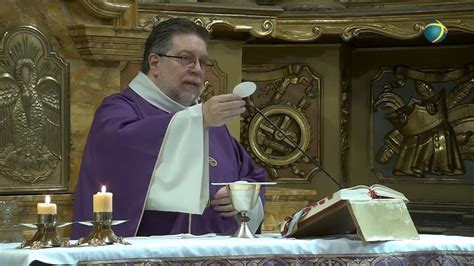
(354, 209)
(359, 192)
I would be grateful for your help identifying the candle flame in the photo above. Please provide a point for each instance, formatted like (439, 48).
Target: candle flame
(103, 189)
(47, 199)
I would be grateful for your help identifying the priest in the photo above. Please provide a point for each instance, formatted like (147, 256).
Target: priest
(158, 150)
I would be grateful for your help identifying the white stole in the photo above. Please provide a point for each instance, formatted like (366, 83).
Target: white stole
(180, 179)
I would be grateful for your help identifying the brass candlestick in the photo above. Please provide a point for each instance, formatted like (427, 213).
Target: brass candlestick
(46, 235)
(102, 233)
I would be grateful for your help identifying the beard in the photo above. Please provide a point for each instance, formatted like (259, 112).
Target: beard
(186, 94)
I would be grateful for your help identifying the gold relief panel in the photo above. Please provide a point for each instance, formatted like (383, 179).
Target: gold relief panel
(34, 113)
(290, 96)
(423, 124)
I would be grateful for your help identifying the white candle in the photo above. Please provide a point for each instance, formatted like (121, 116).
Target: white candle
(47, 207)
(102, 201)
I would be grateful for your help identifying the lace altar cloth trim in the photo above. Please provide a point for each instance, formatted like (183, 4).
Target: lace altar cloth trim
(413, 258)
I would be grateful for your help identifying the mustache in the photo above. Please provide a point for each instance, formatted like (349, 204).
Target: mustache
(196, 82)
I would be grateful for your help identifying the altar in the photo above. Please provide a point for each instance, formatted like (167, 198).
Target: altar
(268, 249)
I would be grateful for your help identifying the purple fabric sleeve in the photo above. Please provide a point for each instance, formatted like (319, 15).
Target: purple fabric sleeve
(121, 152)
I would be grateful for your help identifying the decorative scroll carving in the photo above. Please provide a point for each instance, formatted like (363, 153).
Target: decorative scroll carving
(461, 25)
(99, 42)
(389, 30)
(256, 28)
(431, 135)
(262, 30)
(148, 22)
(285, 95)
(298, 32)
(115, 10)
(310, 29)
(34, 130)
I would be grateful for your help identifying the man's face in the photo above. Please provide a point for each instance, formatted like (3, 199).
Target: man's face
(182, 83)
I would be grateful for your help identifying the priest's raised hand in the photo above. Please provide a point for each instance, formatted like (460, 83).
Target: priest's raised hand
(221, 109)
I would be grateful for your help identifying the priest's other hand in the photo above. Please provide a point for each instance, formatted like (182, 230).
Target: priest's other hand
(221, 109)
(223, 204)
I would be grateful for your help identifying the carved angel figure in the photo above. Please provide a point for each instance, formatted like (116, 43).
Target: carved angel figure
(29, 123)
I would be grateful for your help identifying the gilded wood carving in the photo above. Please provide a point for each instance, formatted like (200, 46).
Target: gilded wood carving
(288, 95)
(131, 19)
(430, 116)
(34, 130)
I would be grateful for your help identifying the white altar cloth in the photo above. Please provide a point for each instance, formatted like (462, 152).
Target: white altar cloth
(268, 245)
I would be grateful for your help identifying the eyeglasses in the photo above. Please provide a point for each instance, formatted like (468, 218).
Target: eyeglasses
(188, 60)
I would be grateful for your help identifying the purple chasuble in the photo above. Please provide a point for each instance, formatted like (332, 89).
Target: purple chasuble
(121, 152)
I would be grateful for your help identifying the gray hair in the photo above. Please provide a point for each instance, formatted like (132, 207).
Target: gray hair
(160, 39)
